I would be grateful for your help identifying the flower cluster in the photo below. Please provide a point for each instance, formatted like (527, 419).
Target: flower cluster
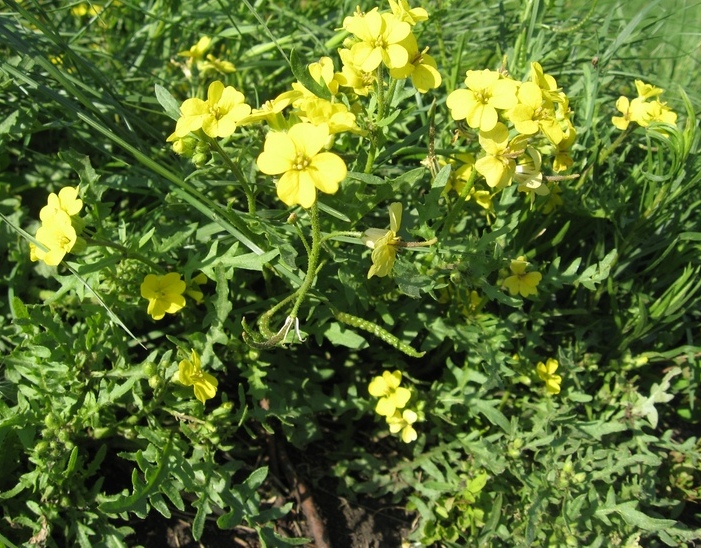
(206, 62)
(641, 110)
(60, 227)
(297, 147)
(392, 404)
(386, 39)
(520, 281)
(517, 124)
(546, 373)
(190, 374)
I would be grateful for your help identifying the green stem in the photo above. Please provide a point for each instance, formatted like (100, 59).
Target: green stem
(236, 170)
(127, 254)
(336, 234)
(313, 260)
(603, 156)
(459, 203)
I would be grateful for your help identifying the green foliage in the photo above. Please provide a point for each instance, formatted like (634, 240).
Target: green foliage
(99, 424)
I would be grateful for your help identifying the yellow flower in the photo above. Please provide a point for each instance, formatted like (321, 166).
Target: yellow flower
(271, 111)
(421, 66)
(528, 174)
(212, 64)
(197, 51)
(190, 374)
(547, 84)
(297, 156)
(633, 111)
(193, 288)
(546, 373)
(379, 38)
(498, 165)
(486, 92)
(164, 294)
(218, 116)
(323, 73)
(522, 282)
(392, 396)
(659, 112)
(533, 113)
(646, 91)
(66, 200)
(336, 116)
(58, 235)
(402, 11)
(641, 111)
(563, 160)
(403, 422)
(384, 243)
(554, 200)
(352, 76)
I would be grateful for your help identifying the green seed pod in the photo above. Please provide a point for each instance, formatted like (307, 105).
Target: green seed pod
(378, 331)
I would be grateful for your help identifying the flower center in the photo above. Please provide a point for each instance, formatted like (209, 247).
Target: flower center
(301, 162)
(380, 43)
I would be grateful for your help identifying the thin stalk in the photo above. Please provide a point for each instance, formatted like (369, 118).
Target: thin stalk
(313, 260)
(236, 170)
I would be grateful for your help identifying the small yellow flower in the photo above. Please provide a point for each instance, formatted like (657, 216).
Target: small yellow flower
(218, 116)
(402, 11)
(546, 373)
(336, 116)
(392, 396)
(164, 294)
(58, 235)
(271, 111)
(190, 374)
(352, 76)
(193, 288)
(498, 166)
(198, 51)
(384, 243)
(379, 38)
(486, 92)
(66, 200)
(633, 111)
(422, 68)
(522, 282)
(297, 156)
(212, 64)
(403, 422)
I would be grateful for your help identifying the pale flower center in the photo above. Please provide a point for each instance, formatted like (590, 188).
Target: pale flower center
(301, 162)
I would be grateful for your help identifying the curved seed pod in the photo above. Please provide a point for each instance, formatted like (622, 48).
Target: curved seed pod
(380, 332)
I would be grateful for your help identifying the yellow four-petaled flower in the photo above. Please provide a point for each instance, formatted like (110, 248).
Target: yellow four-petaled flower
(164, 294)
(297, 156)
(190, 374)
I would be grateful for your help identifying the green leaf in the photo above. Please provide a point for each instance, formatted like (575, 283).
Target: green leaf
(344, 337)
(170, 104)
(257, 478)
(301, 72)
(492, 414)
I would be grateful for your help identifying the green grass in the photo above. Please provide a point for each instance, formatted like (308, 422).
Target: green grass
(98, 437)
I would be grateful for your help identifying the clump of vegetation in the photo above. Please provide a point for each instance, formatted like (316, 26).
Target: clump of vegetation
(436, 258)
